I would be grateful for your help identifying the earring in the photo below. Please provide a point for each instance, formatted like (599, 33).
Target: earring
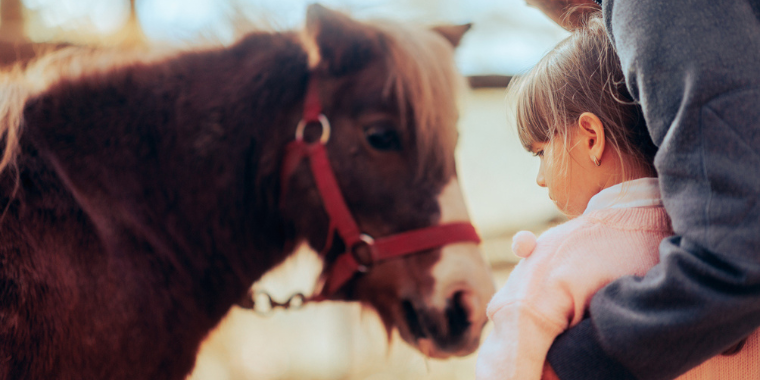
(596, 161)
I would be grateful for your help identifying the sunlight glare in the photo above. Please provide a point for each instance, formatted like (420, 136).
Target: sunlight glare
(105, 16)
(184, 20)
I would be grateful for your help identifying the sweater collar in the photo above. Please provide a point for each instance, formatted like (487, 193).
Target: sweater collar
(642, 192)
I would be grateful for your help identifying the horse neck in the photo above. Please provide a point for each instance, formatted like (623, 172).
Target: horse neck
(176, 162)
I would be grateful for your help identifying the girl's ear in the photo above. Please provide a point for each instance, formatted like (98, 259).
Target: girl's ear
(592, 136)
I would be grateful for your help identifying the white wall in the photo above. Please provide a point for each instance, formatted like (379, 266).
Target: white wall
(497, 175)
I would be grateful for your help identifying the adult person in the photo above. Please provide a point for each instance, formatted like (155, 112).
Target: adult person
(694, 65)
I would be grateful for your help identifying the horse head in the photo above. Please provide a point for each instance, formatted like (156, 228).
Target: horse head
(388, 95)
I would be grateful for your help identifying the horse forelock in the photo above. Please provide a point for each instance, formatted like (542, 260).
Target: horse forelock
(426, 83)
(423, 79)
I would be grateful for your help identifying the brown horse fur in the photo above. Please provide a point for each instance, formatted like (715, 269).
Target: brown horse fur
(142, 198)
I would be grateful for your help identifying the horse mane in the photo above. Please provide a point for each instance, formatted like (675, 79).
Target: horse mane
(13, 96)
(22, 81)
(422, 76)
(424, 79)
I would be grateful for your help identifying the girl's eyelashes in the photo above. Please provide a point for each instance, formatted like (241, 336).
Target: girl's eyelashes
(538, 149)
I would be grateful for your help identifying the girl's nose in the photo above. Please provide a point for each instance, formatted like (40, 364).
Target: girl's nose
(540, 180)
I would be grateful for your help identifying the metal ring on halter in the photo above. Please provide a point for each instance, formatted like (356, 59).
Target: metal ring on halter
(325, 129)
(296, 301)
(262, 303)
(367, 241)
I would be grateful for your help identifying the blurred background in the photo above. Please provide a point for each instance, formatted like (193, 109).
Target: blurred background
(331, 340)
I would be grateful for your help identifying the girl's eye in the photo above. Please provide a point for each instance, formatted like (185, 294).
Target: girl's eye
(383, 136)
(539, 153)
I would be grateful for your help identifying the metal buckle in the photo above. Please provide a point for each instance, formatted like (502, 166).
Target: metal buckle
(364, 262)
(325, 129)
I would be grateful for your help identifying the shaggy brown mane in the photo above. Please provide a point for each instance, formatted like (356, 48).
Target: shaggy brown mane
(21, 81)
(422, 76)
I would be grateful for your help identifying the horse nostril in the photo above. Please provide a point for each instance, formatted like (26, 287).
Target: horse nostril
(457, 315)
(413, 320)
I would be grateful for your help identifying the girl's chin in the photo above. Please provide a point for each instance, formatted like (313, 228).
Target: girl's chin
(570, 214)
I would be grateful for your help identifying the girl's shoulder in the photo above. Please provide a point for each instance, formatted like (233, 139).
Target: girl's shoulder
(525, 244)
(654, 219)
(562, 231)
(608, 223)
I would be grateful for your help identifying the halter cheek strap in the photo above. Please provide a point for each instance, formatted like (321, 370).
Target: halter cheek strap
(341, 219)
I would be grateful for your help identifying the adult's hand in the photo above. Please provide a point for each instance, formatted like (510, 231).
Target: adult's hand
(557, 10)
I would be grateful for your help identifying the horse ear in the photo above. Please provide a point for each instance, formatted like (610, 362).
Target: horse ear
(344, 44)
(453, 33)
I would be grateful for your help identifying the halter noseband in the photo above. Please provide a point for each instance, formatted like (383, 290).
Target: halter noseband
(351, 262)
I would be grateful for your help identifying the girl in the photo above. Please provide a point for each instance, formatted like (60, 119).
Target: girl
(597, 161)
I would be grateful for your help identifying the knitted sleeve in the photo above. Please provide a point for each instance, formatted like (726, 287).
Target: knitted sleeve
(549, 291)
(521, 335)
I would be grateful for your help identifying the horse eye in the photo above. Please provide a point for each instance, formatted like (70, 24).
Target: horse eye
(383, 136)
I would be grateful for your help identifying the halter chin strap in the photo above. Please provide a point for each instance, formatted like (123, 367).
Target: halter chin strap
(362, 250)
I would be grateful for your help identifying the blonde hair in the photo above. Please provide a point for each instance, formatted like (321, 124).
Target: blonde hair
(583, 74)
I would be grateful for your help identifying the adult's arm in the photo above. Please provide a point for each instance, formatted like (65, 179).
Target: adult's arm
(566, 13)
(695, 67)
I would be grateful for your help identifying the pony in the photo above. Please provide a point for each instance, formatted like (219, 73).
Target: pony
(143, 193)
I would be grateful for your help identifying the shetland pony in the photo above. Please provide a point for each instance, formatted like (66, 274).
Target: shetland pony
(142, 195)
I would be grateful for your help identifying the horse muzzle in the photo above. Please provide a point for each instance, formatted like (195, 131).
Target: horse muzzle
(453, 330)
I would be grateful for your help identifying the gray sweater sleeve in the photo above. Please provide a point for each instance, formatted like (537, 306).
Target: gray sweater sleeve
(695, 67)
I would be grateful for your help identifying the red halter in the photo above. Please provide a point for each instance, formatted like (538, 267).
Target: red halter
(347, 265)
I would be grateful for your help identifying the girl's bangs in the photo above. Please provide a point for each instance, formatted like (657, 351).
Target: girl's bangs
(534, 121)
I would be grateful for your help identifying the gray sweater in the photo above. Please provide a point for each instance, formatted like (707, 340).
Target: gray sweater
(695, 67)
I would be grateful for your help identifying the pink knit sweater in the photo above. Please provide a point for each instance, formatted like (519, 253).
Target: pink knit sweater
(550, 290)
